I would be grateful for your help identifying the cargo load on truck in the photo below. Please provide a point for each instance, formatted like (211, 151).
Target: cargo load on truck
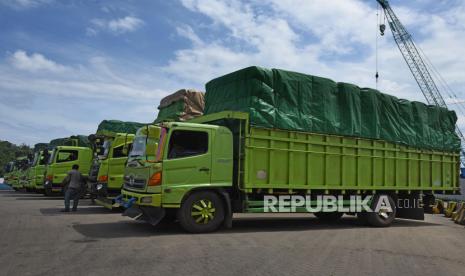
(74, 140)
(182, 105)
(115, 126)
(40, 146)
(280, 99)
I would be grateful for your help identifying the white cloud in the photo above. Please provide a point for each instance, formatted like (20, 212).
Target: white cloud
(115, 26)
(38, 97)
(24, 3)
(34, 62)
(126, 24)
(334, 39)
(94, 80)
(187, 32)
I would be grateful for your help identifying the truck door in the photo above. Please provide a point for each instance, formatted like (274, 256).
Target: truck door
(116, 166)
(187, 161)
(65, 159)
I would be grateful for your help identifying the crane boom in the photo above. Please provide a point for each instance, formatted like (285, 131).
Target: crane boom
(414, 61)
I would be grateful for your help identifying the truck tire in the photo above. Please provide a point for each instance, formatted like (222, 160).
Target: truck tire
(382, 218)
(201, 212)
(428, 202)
(328, 216)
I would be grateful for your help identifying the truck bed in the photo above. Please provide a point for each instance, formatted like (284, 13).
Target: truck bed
(279, 159)
(292, 161)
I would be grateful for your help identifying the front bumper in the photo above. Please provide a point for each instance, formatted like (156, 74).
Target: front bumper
(104, 196)
(53, 187)
(152, 200)
(108, 203)
(140, 206)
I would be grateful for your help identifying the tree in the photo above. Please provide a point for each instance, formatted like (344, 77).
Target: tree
(9, 152)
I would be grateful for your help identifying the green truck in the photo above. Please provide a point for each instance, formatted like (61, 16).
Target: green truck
(37, 171)
(111, 142)
(8, 169)
(19, 174)
(274, 133)
(65, 152)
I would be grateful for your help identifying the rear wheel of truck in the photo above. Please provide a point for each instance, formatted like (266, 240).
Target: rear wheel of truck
(384, 215)
(201, 212)
(328, 216)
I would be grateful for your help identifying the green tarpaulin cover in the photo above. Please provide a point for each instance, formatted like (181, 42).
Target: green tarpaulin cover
(74, 140)
(40, 146)
(182, 105)
(111, 127)
(282, 99)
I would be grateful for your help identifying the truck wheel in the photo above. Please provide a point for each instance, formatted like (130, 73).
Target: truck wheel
(201, 212)
(428, 202)
(328, 216)
(383, 217)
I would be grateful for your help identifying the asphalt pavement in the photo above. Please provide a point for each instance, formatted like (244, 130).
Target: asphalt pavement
(37, 239)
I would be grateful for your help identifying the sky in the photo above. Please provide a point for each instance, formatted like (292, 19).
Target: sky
(67, 65)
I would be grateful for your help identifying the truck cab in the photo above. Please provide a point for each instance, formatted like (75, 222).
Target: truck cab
(110, 161)
(37, 170)
(20, 173)
(173, 162)
(60, 162)
(9, 167)
(13, 178)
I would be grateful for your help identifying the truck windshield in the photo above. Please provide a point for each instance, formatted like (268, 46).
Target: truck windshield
(52, 156)
(106, 149)
(43, 157)
(138, 147)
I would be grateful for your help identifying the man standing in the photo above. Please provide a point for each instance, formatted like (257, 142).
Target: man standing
(73, 184)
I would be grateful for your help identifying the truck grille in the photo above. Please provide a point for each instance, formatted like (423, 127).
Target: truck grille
(135, 183)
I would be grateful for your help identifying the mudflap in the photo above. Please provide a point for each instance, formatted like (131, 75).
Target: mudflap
(409, 207)
(151, 215)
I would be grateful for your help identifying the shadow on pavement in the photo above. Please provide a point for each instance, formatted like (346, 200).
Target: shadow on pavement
(39, 198)
(240, 225)
(16, 194)
(126, 229)
(94, 210)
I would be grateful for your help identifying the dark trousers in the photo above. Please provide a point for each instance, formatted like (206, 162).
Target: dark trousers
(73, 194)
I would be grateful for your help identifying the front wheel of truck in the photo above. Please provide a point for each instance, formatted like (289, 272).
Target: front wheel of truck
(201, 212)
